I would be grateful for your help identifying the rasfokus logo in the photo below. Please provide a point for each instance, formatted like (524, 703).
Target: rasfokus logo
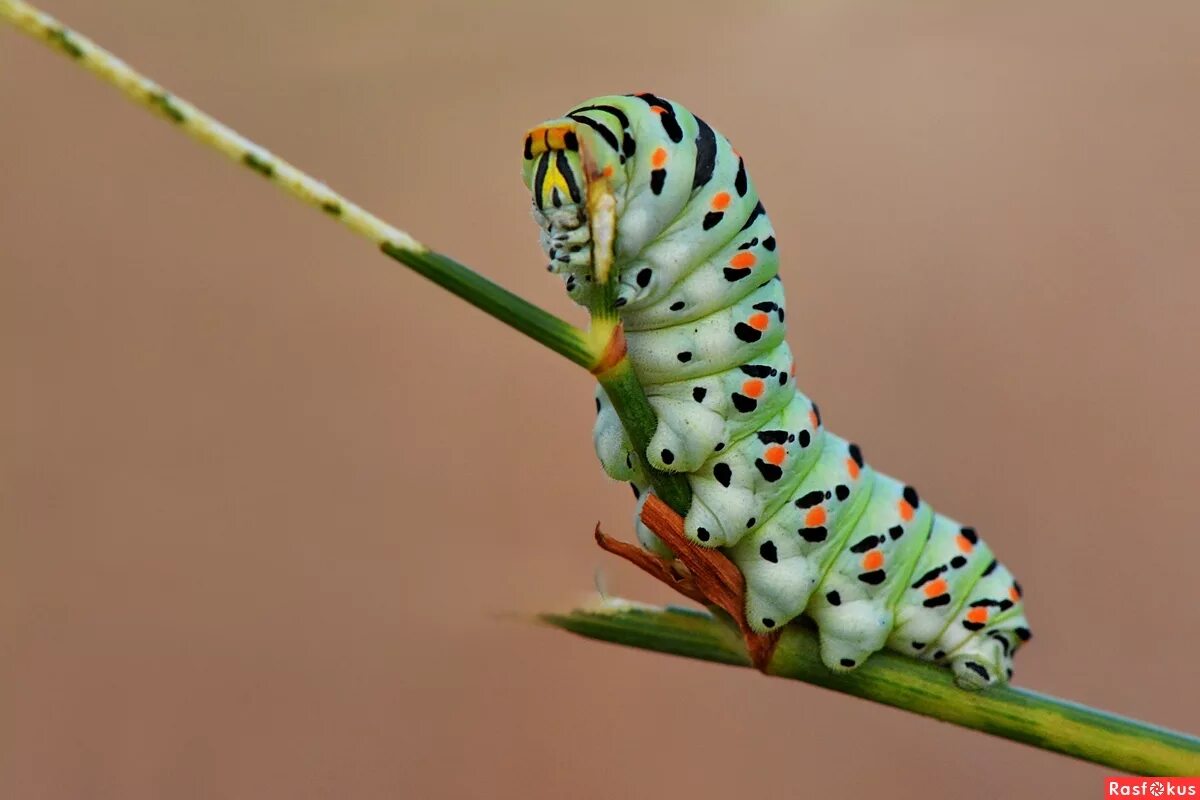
(1151, 787)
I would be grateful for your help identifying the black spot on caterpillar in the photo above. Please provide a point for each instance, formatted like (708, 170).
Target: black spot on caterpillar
(757, 212)
(706, 154)
(722, 473)
(658, 179)
(874, 577)
(666, 113)
(747, 333)
(770, 472)
(814, 535)
(811, 499)
(742, 403)
(865, 544)
(977, 668)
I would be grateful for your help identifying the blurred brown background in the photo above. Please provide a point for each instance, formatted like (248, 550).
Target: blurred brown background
(271, 504)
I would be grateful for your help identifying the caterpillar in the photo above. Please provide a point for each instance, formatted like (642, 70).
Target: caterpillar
(814, 529)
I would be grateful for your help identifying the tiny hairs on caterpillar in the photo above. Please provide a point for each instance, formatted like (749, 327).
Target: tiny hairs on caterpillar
(813, 528)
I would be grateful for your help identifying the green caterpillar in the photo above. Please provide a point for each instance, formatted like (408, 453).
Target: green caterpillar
(812, 527)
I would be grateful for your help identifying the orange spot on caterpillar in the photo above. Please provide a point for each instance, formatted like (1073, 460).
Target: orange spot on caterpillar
(754, 388)
(743, 260)
(977, 615)
(964, 544)
(934, 588)
(1014, 594)
(720, 201)
(658, 109)
(815, 517)
(906, 511)
(775, 454)
(608, 171)
(812, 419)
(538, 140)
(659, 158)
(852, 467)
(759, 321)
(872, 560)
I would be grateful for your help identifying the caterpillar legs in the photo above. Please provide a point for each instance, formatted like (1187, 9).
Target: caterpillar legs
(706, 576)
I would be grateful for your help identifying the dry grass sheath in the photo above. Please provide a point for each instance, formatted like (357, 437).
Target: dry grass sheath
(1021, 715)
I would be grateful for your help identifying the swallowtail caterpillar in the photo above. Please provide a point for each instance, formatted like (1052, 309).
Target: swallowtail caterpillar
(812, 527)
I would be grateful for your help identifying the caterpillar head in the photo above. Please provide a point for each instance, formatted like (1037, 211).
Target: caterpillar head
(573, 203)
(624, 178)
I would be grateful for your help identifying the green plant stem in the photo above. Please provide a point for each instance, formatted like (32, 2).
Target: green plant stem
(1017, 714)
(638, 419)
(619, 380)
(905, 683)
(541, 325)
(512, 310)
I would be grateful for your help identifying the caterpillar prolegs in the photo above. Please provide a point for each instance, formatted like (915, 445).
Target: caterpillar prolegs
(813, 528)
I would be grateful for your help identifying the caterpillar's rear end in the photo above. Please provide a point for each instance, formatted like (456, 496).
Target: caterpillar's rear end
(639, 185)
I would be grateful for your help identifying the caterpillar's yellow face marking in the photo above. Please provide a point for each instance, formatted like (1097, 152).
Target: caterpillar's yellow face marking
(558, 177)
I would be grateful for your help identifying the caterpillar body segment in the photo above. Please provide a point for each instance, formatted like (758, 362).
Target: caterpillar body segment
(640, 185)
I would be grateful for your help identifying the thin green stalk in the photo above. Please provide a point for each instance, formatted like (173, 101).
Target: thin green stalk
(918, 686)
(512, 310)
(541, 325)
(582, 348)
(1020, 715)
(615, 371)
(638, 419)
